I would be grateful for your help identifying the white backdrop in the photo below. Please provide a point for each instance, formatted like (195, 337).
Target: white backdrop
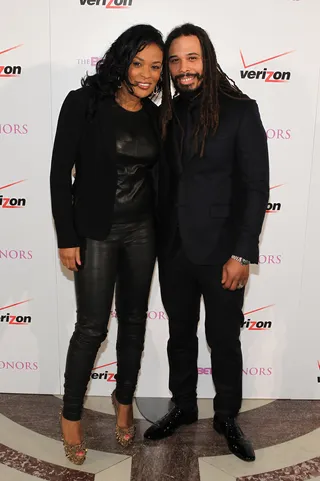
(46, 46)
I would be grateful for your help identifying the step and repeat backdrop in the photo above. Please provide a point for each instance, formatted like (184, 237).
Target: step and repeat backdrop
(270, 49)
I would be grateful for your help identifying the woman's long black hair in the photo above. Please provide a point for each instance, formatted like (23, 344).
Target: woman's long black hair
(215, 81)
(113, 68)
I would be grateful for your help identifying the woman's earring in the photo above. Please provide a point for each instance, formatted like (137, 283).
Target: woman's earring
(119, 83)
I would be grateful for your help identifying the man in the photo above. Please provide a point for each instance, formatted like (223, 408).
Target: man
(213, 193)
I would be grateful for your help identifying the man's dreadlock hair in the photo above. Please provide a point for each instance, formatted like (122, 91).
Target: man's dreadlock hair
(215, 81)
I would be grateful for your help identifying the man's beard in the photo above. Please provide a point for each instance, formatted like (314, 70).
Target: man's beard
(186, 88)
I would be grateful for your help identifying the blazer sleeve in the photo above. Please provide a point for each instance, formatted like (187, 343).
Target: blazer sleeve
(63, 158)
(253, 167)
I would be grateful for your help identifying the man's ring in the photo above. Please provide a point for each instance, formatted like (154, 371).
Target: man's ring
(240, 285)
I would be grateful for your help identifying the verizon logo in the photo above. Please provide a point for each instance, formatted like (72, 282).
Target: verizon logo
(107, 3)
(256, 325)
(14, 319)
(268, 76)
(9, 70)
(12, 202)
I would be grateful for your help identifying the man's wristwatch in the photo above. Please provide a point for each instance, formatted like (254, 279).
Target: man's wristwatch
(242, 261)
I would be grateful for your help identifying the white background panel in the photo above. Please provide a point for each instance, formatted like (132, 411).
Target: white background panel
(60, 40)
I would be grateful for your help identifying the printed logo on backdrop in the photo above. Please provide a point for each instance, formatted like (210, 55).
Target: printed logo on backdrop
(278, 134)
(100, 373)
(11, 202)
(91, 61)
(13, 129)
(19, 365)
(152, 315)
(14, 316)
(270, 259)
(257, 371)
(252, 322)
(247, 371)
(274, 207)
(15, 255)
(107, 3)
(7, 69)
(266, 74)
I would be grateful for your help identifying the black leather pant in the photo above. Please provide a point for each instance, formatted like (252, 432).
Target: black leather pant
(125, 259)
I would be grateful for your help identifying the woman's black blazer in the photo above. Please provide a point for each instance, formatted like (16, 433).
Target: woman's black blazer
(85, 208)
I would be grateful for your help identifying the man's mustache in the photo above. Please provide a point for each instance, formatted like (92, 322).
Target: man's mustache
(184, 75)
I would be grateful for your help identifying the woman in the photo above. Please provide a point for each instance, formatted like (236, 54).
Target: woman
(104, 222)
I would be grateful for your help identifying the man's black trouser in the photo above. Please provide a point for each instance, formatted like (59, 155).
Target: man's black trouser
(182, 285)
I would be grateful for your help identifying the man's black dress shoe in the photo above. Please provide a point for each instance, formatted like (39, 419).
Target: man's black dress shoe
(167, 425)
(237, 443)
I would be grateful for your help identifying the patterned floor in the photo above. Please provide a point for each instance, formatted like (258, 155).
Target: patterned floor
(286, 436)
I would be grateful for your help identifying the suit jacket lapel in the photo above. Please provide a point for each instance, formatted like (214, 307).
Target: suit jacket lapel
(174, 145)
(188, 113)
(154, 115)
(105, 127)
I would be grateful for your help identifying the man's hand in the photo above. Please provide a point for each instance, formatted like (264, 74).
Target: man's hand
(234, 275)
(70, 257)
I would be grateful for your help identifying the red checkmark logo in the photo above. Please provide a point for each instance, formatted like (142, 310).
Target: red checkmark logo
(14, 305)
(262, 61)
(10, 185)
(11, 48)
(257, 310)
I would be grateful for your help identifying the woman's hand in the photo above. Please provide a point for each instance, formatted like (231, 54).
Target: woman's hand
(70, 257)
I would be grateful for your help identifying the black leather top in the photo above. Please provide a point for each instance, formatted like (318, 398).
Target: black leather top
(137, 151)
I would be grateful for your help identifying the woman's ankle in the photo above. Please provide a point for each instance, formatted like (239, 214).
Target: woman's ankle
(125, 415)
(71, 415)
(72, 431)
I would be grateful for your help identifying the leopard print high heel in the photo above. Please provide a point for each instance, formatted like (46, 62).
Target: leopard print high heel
(124, 436)
(72, 451)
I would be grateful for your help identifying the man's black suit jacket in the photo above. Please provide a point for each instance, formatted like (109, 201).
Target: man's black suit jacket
(85, 209)
(216, 203)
